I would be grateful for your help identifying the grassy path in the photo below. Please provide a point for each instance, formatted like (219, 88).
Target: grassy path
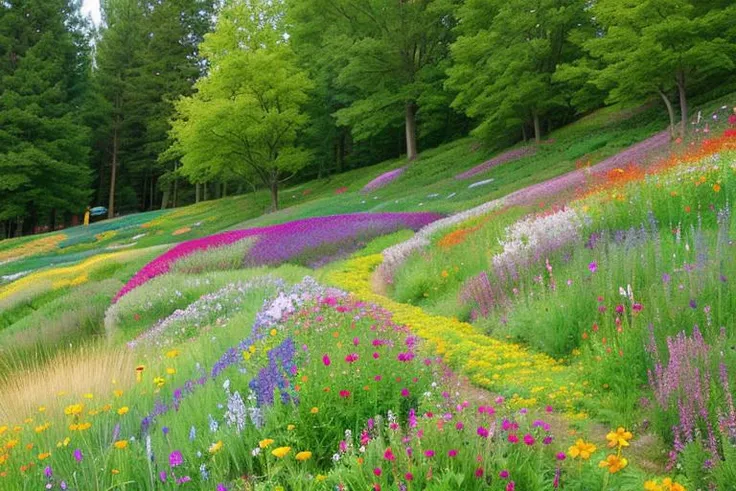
(529, 378)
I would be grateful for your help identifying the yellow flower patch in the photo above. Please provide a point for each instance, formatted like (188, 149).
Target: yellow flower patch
(490, 363)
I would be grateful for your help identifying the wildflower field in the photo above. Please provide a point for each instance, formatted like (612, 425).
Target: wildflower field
(564, 330)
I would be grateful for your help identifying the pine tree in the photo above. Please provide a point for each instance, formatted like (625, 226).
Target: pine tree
(147, 58)
(44, 148)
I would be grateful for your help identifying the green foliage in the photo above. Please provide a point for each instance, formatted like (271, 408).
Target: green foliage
(505, 59)
(218, 259)
(655, 47)
(44, 146)
(247, 110)
(55, 322)
(388, 58)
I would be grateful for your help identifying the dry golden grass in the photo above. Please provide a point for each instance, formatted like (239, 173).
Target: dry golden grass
(95, 369)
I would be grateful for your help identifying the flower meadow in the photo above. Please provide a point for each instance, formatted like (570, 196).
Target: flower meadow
(317, 390)
(576, 335)
(630, 282)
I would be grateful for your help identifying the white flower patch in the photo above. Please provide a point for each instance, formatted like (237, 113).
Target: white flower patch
(529, 239)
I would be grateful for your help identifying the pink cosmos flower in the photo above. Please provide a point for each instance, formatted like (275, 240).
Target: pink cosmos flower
(389, 455)
(326, 360)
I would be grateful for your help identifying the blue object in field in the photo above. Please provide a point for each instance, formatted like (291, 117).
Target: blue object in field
(97, 211)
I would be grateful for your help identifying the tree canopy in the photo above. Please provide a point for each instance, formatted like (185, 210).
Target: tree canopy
(169, 102)
(247, 111)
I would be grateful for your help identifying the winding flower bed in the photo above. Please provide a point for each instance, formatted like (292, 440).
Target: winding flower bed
(280, 243)
(323, 391)
(74, 275)
(531, 378)
(395, 256)
(384, 180)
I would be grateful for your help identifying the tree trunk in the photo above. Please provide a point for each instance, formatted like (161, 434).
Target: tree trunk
(205, 192)
(113, 172)
(196, 192)
(274, 194)
(165, 198)
(176, 184)
(682, 89)
(537, 127)
(340, 157)
(670, 112)
(411, 131)
(224, 189)
(151, 192)
(523, 132)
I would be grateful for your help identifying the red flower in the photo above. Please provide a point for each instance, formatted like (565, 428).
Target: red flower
(389, 455)
(344, 394)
